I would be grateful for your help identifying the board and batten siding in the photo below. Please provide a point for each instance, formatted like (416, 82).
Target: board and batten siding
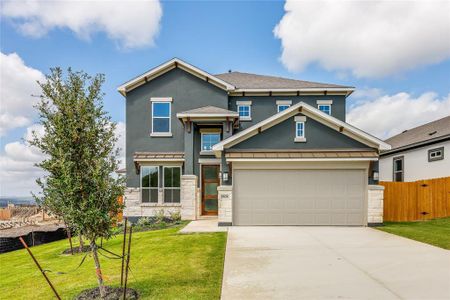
(416, 164)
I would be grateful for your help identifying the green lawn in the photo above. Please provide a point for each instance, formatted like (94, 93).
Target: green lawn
(434, 232)
(164, 265)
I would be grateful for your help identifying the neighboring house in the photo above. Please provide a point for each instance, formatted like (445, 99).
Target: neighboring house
(250, 149)
(419, 153)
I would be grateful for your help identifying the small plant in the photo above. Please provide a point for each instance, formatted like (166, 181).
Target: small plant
(143, 222)
(159, 216)
(175, 217)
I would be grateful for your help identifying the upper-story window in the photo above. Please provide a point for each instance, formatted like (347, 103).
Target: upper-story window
(325, 106)
(161, 116)
(244, 109)
(398, 168)
(300, 129)
(209, 139)
(436, 154)
(283, 104)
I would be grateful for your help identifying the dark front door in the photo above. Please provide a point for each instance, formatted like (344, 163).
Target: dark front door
(210, 182)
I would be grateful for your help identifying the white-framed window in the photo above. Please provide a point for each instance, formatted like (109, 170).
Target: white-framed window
(326, 108)
(209, 139)
(244, 109)
(161, 116)
(398, 168)
(299, 130)
(436, 154)
(283, 104)
(172, 184)
(281, 107)
(149, 184)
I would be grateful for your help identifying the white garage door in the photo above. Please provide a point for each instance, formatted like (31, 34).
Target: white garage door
(299, 197)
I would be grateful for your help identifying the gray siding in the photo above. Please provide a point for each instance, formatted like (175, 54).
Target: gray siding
(281, 136)
(188, 92)
(265, 106)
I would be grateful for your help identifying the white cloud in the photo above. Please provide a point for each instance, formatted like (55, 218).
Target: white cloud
(132, 24)
(17, 171)
(17, 85)
(389, 115)
(367, 38)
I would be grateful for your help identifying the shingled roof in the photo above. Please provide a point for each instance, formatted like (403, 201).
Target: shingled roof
(208, 111)
(431, 131)
(254, 81)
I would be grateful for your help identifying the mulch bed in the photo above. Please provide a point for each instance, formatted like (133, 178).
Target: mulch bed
(86, 248)
(112, 293)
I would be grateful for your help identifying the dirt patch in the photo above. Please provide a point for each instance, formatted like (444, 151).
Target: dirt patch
(86, 248)
(112, 293)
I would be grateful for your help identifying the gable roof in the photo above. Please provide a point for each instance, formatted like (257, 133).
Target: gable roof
(308, 111)
(432, 131)
(254, 81)
(236, 82)
(166, 67)
(208, 111)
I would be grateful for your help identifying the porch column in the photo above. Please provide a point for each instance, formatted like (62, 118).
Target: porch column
(227, 130)
(189, 148)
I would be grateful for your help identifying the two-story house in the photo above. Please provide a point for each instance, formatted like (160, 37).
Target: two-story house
(249, 149)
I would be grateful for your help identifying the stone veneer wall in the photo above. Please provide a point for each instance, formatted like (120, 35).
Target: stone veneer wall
(225, 205)
(187, 206)
(188, 197)
(375, 205)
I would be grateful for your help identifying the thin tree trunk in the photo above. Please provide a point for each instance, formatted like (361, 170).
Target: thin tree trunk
(98, 270)
(81, 244)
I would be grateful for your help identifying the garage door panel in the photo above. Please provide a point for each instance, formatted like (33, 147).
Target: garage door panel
(299, 197)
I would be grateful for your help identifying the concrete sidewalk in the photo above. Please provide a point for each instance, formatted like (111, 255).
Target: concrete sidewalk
(331, 262)
(206, 225)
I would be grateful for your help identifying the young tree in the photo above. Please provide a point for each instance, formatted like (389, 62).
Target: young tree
(79, 142)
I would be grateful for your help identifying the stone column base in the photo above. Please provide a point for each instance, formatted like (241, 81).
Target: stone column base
(375, 205)
(225, 205)
(188, 197)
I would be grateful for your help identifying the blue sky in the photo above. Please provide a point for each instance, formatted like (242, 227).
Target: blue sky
(218, 36)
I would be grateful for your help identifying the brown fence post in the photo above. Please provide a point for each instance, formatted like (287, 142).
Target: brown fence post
(123, 250)
(128, 263)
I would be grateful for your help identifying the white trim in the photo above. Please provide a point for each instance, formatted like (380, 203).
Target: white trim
(309, 111)
(209, 161)
(162, 133)
(300, 119)
(298, 159)
(300, 138)
(183, 115)
(245, 118)
(324, 102)
(319, 105)
(241, 103)
(284, 102)
(328, 89)
(148, 188)
(170, 188)
(161, 99)
(160, 160)
(208, 152)
(167, 66)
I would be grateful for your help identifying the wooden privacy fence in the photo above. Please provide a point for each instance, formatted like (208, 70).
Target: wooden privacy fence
(418, 200)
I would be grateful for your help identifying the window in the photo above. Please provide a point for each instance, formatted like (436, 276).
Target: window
(326, 108)
(172, 179)
(398, 167)
(149, 184)
(436, 154)
(299, 129)
(209, 140)
(245, 112)
(282, 107)
(161, 117)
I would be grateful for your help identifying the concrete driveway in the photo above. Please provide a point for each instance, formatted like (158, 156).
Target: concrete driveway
(331, 262)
